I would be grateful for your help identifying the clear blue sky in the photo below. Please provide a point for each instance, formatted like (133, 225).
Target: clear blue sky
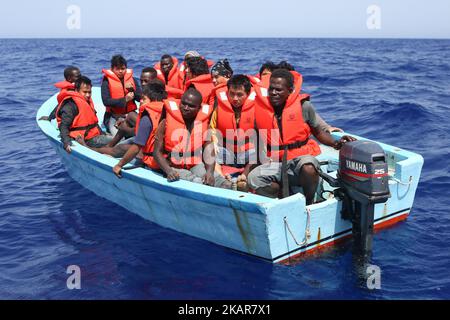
(228, 18)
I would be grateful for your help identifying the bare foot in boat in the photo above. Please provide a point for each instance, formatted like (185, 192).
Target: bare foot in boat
(80, 140)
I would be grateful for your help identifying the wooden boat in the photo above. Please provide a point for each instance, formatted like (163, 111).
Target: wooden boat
(276, 230)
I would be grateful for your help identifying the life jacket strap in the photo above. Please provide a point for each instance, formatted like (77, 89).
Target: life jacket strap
(86, 129)
(290, 146)
(184, 154)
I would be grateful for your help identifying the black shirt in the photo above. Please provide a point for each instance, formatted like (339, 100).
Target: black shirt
(118, 103)
(67, 112)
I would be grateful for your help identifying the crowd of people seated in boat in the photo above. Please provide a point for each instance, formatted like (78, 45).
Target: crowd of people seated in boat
(199, 121)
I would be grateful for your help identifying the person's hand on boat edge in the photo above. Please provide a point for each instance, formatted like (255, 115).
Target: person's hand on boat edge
(209, 179)
(68, 148)
(117, 170)
(344, 139)
(44, 118)
(173, 175)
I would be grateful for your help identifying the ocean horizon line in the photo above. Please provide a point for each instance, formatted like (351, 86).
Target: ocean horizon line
(231, 38)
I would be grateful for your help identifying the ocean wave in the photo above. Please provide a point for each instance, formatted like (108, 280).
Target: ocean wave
(51, 59)
(404, 112)
(410, 67)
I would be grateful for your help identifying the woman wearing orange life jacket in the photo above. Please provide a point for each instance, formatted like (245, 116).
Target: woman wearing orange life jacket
(198, 76)
(182, 148)
(232, 125)
(151, 112)
(221, 72)
(286, 120)
(120, 90)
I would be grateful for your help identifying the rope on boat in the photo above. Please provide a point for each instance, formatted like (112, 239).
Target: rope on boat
(307, 231)
(401, 182)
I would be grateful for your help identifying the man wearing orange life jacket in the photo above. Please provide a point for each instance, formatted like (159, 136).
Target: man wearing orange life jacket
(182, 148)
(117, 148)
(168, 72)
(76, 116)
(263, 80)
(71, 74)
(151, 112)
(148, 74)
(126, 126)
(198, 76)
(120, 90)
(183, 66)
(263, 77)
(285, 120)
(233, 128)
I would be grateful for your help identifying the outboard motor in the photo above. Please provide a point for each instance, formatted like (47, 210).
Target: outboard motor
(362, 182)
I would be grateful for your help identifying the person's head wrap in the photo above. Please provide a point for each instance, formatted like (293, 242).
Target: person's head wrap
(191, 54)
(222, 68)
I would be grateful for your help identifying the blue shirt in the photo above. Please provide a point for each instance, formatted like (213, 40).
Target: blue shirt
(145, 128)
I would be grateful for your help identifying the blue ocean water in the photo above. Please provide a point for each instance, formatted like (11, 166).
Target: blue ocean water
(393, 91)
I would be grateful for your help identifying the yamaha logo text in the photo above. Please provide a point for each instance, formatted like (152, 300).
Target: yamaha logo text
(356, 166)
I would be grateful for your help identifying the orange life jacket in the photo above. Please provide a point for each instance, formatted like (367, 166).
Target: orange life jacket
(254, 79)
(174, 93)
(264, 81)
(85, 122)
(295, 131)
(202, 83)
(118, 91)
(184, 147)
(182, 72)
(173, 77)
(63, 86)
(154, 110)
(226, 121)
(212, 96)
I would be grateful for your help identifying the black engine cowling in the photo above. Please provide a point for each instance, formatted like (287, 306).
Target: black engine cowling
(362, 182)
(363, 171)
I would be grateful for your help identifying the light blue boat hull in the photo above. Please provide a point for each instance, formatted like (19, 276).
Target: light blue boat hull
(272, 229)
